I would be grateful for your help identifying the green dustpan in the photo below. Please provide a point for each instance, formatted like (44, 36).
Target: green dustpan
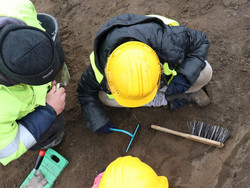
(51, 167)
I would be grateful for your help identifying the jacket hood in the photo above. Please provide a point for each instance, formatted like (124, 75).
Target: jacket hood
(21, 9)
(119, 21)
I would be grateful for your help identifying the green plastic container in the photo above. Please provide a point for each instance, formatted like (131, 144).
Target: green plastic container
(51, 167)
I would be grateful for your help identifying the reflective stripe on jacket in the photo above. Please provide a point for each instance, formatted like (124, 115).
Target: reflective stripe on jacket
(16, 102)
(19, 100)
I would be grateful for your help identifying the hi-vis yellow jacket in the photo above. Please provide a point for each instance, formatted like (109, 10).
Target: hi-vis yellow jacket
(18, 100)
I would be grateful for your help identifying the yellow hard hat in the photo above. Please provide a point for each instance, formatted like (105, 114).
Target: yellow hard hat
(133, 73)
(131, 172)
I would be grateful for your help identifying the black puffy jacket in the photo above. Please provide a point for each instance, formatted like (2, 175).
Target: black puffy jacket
(182, 48)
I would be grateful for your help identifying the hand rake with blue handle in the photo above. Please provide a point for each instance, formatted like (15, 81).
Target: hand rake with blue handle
(128, 133)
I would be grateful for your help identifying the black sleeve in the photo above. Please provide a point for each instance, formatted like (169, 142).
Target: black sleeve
(93, 111)
(183, 48)
(197, 50)
(39, 121)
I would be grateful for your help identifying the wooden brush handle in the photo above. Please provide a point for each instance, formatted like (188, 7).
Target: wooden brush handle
(189, 136)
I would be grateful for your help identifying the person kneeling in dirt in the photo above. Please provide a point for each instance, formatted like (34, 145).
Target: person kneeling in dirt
(129, 171)
(143, 61)
(31, 106)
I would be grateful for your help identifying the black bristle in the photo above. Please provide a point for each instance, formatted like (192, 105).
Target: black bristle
(211, 132)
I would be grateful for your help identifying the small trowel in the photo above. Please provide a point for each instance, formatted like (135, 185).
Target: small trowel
(65, 77)
(37, 181)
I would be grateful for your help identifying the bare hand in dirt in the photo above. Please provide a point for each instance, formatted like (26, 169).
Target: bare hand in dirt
(56, 99)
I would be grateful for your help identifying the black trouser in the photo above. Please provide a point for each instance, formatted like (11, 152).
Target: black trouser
(51, 134)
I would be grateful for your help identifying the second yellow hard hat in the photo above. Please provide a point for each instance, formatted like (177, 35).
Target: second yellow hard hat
(131, 172)
(133, 73)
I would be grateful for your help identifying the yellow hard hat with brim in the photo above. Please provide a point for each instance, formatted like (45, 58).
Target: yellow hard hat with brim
(131, 172)
(133, 73)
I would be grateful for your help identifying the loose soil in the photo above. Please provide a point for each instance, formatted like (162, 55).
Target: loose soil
(185, 163)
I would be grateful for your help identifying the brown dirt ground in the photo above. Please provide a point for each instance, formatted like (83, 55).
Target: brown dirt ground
(185, 163)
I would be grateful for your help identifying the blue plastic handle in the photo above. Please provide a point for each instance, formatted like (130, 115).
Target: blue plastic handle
(128, 133)
(122, 131)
